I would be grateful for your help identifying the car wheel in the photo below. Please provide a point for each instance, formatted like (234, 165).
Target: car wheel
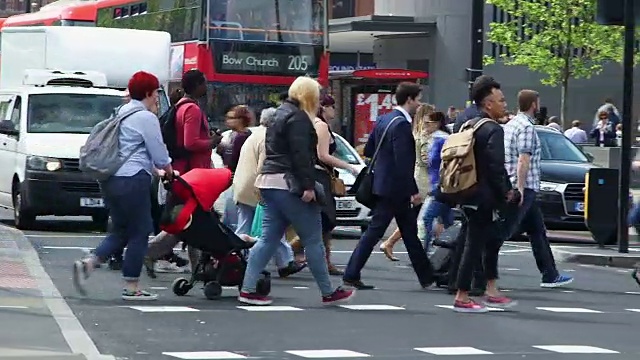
(23, 219)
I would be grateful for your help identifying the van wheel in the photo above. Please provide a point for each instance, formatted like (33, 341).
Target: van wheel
(22, 218)
(101, 222)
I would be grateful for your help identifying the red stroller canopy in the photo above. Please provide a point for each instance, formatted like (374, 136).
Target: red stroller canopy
(197, 187)
(206, 185)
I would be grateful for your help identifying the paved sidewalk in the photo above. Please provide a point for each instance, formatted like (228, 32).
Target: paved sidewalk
(593, 255)
(36, 321)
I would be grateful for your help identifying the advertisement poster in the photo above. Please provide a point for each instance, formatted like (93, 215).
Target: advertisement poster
(177, 61)
(368, 107)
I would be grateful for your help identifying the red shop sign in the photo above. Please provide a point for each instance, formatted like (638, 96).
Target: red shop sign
(368, 108)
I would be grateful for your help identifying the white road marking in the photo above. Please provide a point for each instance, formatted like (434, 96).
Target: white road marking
(568, 291)
(83, 248)
(575, 349)
(13, 307)
(372, 307)
(159, 288)
(269, 308)
(450, 307)
(327, 354)
(301, 287)
(74, 334)
(462, 350)
(634, 310)
(205, 355)
(152, 309)
(569, 310)
(632, 293)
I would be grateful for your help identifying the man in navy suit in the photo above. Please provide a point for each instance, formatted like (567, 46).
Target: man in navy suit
(395, 186)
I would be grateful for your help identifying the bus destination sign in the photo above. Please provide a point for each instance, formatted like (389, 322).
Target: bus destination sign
(267, 63)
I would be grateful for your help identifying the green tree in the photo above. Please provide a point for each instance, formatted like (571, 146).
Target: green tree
(557, 38)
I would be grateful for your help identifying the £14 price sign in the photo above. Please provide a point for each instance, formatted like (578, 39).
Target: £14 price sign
(367, 110)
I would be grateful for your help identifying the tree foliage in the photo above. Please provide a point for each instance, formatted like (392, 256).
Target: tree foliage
(558, 38)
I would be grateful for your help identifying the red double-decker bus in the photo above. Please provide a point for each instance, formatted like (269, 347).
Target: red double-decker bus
(56, 14)
(250, 50)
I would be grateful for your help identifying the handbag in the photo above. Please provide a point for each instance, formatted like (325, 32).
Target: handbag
(363, 186)
(256, 226)
(338, 188)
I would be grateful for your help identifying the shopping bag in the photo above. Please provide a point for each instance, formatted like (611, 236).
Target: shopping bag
(256, 226)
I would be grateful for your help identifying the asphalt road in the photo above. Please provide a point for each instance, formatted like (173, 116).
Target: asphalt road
(396, 321)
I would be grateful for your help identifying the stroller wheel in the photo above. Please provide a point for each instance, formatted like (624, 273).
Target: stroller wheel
(212, 290)
(181, 286)
(263, 287)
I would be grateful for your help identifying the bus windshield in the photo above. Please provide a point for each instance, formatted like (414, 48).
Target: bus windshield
(284, 21)
(221, 97)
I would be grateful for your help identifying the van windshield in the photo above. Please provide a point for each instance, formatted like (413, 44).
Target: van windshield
(69, 113)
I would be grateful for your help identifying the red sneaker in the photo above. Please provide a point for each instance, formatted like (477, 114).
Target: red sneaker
(339, 296)
(469, 307)
(254, 299)
(502, 302)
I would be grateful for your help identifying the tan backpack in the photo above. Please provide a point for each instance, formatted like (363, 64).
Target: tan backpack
(458, 175)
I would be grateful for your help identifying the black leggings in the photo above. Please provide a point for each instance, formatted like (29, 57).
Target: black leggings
(481, 248)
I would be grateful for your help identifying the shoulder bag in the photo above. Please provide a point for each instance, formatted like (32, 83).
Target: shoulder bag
(363, 186)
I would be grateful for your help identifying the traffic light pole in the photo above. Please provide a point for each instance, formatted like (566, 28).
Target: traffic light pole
(627, 108)
(477, 42)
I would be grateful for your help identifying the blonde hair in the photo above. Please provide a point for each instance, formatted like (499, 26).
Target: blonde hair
(307, 91)
(422, 113)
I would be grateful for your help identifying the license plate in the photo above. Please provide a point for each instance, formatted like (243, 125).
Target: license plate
(345, 205)
(579, 206)
(92, 202)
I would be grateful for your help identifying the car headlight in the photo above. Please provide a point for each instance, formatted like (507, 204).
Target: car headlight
(43, 163)
(549, 186)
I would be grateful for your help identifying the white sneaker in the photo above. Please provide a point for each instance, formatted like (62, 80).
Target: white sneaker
(163, 266)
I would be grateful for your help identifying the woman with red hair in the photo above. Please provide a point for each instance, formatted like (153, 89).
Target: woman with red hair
(126, 193)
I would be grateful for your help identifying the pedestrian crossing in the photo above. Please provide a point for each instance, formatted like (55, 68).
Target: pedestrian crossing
(417, 352)
(371, 308)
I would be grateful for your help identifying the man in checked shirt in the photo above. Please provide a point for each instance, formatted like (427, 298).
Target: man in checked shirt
(522, 161)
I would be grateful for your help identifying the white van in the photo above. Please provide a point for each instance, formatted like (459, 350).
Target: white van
(56, 84)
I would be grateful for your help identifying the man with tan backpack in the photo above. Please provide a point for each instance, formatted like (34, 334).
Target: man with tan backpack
(473, 177)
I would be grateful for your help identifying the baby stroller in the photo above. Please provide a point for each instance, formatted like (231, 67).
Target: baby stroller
(189, 215)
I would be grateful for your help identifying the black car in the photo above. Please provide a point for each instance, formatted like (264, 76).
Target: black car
(563, 169)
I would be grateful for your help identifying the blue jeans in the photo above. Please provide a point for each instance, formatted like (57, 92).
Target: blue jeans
(283, 256)
(435, 210)
(230, 213)
(245, 218)
(528, 218)
(634, 215)
(130, 209)
(282, 208)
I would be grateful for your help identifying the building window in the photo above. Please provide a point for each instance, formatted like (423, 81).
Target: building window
(343, 8)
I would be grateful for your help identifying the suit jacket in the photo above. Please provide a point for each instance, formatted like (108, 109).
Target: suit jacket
(395, 165)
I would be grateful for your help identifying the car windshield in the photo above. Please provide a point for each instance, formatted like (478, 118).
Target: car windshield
(344, 152)
(69, 113)
(557, 147)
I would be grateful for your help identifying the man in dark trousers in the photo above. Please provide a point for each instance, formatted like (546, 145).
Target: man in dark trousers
(395, 187)
(479, 282)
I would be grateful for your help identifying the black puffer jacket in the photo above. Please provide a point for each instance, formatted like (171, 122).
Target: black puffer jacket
(290, 145)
